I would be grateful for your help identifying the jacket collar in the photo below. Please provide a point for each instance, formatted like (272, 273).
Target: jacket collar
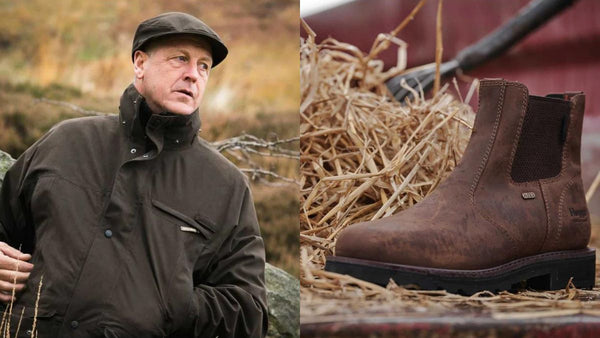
(166, 130)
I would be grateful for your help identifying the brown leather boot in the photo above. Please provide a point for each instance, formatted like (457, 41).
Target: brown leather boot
(513, 210)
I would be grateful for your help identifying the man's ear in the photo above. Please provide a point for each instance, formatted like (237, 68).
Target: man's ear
(139, 63)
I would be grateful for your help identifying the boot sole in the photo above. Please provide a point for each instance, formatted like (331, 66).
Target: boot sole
(547, 271)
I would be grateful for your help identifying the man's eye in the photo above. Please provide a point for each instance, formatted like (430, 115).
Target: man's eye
(181, 58)
(204, 66)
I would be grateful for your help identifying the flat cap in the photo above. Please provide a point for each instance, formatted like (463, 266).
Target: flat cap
(178, 23)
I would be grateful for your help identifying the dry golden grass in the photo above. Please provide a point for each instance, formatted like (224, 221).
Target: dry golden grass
(87, 44)
(363, 154)
(366, 156)
(5, 324)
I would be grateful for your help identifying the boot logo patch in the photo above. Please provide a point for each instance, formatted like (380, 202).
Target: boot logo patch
(578, 213)
(528, 195)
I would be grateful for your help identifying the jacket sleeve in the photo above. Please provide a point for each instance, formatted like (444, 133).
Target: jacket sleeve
(231, 302)
(15, 223)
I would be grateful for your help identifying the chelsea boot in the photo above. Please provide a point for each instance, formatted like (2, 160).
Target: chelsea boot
(512, 213)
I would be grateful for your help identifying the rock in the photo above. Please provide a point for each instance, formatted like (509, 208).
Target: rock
(5, 162)
(283, 289)
(283, 298)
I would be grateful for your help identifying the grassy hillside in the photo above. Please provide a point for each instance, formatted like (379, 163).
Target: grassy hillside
(87, 45)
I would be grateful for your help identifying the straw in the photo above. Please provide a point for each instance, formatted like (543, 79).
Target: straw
(365, 156)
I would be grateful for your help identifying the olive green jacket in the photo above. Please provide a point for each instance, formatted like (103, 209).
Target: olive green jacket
(137, 232)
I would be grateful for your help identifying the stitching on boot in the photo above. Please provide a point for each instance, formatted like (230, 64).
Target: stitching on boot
(524, 101)
(490, 144)
(545, 199)
(561, 202)
(517, 262)
(492, 270)
(568, 141)
(554, 240)
(488, 83)
(492, 139)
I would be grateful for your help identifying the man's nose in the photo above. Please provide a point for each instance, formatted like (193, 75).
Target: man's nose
(191, 72)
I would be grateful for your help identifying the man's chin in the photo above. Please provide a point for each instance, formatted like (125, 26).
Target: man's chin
(180, 108)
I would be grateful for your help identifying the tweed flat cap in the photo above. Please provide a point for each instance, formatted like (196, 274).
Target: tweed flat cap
(178, 23)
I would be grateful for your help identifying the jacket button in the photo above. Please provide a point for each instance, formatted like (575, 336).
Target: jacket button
(108, 233)
(133, 150)
(74, 324)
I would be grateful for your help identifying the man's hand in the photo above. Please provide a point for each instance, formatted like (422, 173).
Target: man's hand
(13, 264)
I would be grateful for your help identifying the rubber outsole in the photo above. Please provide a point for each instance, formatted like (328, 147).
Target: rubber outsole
(547, 271)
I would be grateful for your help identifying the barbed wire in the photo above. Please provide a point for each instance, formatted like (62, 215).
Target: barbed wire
(72, 107)
(239, 147)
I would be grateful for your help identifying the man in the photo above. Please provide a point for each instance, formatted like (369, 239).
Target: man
(132, 226)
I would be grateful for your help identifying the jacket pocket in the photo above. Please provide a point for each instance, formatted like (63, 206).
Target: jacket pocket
(198, 224)
(46, 325)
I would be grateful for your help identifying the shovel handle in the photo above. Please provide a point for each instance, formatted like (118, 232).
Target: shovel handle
(528, 19)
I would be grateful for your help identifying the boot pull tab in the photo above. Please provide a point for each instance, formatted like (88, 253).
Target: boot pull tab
(566, 115)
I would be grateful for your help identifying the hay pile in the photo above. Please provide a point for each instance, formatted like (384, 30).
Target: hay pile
(365, 156)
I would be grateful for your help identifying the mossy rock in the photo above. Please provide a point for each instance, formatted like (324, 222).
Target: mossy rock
(6, 161)
(283, 298)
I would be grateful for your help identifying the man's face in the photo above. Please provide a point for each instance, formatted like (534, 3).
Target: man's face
(172, 74)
